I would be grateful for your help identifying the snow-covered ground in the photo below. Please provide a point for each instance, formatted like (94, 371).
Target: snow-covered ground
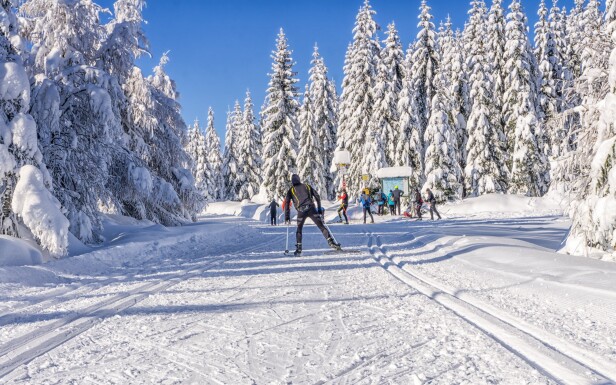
(481, 297)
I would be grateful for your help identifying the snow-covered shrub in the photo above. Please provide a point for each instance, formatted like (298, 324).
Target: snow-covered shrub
(40, 211)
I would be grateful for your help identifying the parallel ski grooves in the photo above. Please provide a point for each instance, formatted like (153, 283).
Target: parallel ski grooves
(24, 349)
(541, 355)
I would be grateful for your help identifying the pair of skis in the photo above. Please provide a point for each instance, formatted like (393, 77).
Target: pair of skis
(337, 250)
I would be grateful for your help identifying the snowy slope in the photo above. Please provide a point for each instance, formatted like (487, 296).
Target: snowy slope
(466, 300)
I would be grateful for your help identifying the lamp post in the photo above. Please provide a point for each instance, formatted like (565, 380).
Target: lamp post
(342, 160)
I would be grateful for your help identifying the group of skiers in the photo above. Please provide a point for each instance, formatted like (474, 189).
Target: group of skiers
(304, 197)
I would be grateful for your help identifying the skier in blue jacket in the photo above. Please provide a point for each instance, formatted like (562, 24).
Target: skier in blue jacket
(366, 202)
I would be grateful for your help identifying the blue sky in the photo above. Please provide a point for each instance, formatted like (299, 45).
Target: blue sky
(220, 48)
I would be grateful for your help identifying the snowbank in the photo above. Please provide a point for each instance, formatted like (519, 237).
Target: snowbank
(17, 252)
(244, 209)
(504, 205)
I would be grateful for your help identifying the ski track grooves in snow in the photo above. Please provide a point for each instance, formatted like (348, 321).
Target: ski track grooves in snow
(29, 346)
(559, 360)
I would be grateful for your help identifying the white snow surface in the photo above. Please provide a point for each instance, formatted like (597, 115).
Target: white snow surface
(476, 298)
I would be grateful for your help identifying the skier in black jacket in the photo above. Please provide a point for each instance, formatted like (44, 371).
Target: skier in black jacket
(272, 207)
(432, 200)
(303, 196)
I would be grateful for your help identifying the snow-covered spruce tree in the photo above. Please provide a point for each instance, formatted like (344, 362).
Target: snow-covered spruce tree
(249, 150)
(575, 34)
(325, 103)
(374, 154)
(176, 200)
(443, 172)
(214, 177)
(280, 125)
(389, 83)
(76, 107)
(459, 92)
(125, 40)
(27, 207)
(409, 148)
(230, 169)
(309, 159)
(497, 63)
(357, 99)
(594, 213)
(485, 170)
(424, 67)
(452, 96)
(595, 42)
(549, 69)
(475, 31)
(196, 149)
(524, 129)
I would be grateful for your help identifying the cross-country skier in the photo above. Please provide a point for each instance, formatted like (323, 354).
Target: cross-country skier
(418, 203)
(272, 207)
(366, 202)
(344, 204)
(397, 194)
(303, 197)
(391, 203)
(432, 200)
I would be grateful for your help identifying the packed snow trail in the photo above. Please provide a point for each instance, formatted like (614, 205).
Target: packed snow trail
(456, 301)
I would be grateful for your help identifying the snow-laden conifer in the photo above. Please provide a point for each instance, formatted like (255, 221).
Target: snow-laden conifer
(409, 147)
(452, 78)
(76, 107)
(443, 172)
(523, 127)
(231, 170)
(325, 105)
(357, 99)
(27, 207)
(125, 40)
(475, 32)
(594, 218)
(485, 170)
(249, 150)
(388, 86)
(197, 151)
(310, 157)
(460, 92)
(424, 67)
(496, 61)
(548, 61)
(280, 125)
(214, 178)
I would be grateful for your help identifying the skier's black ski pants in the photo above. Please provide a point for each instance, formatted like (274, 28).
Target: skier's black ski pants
(301, 219)
(343, 210)
(368, 211)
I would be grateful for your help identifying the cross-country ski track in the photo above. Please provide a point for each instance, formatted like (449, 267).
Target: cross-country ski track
(460, 301)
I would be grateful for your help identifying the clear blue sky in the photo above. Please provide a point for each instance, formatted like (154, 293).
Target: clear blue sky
(221, 48)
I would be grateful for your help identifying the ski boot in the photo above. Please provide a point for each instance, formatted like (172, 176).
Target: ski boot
(333, 244)
(298, 250)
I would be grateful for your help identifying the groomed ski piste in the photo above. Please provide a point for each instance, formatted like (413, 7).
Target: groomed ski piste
(480, 297)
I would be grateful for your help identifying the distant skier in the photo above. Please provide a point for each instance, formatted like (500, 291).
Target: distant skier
(272, 207)
(432, 201)
(391, 203)
(344, 205)
(397, 194)
(381, 203)
(366, 202)
(303, 196)
(418, 203)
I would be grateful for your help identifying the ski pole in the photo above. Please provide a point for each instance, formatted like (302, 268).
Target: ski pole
(286, 250)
